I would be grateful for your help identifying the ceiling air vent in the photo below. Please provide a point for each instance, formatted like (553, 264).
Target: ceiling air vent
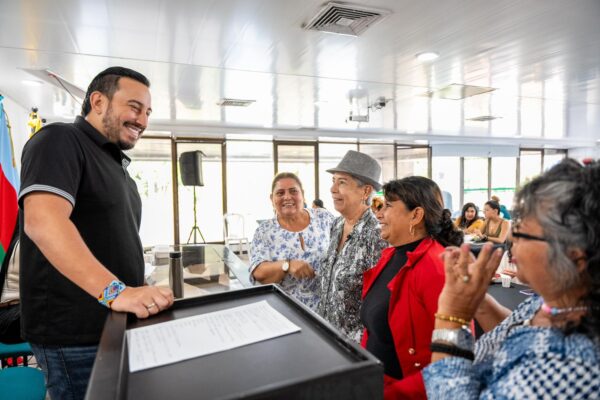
(457, 91)
(234, 102)
(345, 19)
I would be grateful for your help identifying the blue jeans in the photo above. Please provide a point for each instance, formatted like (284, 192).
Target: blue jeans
(67, 369)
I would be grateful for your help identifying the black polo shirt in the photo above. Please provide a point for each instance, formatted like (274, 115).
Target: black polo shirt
(78, 163)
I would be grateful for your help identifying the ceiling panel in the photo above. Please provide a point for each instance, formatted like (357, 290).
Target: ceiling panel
(542, 59)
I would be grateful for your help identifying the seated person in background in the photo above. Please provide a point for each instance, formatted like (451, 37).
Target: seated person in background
(549, 347)
(290, 248)
(317, 203)
(469, 219)
(377, 204)
(503, 210)
(400, 293)
(495, 228)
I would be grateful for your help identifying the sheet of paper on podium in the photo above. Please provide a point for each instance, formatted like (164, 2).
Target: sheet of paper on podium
(185, 338)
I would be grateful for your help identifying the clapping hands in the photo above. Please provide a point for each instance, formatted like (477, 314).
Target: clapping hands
(467, 279)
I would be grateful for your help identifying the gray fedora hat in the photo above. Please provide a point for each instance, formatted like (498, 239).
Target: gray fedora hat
(361, 166)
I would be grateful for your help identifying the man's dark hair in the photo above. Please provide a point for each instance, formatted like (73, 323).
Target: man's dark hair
(107, 83)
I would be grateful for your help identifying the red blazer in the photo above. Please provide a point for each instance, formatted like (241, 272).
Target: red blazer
(413, 303)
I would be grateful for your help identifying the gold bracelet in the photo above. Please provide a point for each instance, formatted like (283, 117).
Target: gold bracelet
(452, 319)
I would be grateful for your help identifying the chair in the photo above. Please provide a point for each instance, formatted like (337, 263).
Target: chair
(22, 383)
(15, 350)
(234, 231)
(12, 350)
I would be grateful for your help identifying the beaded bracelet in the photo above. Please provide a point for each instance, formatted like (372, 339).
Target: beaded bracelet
(451, 350)
(110, 293)
(452, 319)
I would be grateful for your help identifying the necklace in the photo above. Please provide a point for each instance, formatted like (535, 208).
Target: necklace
(554, 311)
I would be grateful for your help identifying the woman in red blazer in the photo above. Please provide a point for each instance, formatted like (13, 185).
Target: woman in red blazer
(400, 293)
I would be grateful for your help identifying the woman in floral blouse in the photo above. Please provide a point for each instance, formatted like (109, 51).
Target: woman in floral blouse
(549, 347)
(355, 244)
(290, 248)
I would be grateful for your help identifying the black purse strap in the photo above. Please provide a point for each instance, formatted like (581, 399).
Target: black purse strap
(8, 256)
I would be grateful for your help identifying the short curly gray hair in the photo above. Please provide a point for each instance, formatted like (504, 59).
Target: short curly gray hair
(565, 202)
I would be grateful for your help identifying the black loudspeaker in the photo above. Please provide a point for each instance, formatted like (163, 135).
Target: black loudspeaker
(190, 164)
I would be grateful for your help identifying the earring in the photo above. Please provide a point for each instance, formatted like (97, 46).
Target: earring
(411, 230)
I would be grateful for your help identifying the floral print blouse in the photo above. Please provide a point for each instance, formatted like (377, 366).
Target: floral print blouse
(341, 278)
(271, 243)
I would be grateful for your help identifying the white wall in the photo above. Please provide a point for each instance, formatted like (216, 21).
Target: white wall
(18, 117)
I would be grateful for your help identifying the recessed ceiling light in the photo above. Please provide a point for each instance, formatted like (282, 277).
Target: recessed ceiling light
(427, 56)
(30, 82)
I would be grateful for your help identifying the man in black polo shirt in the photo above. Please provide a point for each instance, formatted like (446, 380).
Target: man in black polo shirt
(80, 215)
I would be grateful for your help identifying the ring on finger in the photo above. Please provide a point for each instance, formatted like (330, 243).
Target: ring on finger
(466, 278)
(149, 306)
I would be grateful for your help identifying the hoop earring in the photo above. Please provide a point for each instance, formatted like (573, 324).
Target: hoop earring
(411, 230)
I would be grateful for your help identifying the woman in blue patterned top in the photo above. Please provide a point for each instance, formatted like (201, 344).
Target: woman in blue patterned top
(290, 248)
(549, 347)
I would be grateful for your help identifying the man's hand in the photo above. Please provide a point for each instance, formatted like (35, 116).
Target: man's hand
(143, 301)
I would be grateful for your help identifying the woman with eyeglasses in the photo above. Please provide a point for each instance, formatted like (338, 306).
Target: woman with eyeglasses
(495, 228)
(469, 220)
(549, 347)
(290, 248)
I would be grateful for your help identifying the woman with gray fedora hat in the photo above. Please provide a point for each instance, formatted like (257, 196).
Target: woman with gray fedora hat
(355, 244)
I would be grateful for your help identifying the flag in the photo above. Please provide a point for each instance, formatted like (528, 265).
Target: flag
(9, 184)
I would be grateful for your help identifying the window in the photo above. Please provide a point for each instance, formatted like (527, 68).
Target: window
(553, 157)
(412, 161)
(504, 179)
(209, 198)
(249, 177)
(299, 159)
(475, 180)
(530, 165)
(151, 169)
(446, 173)
(384, 153)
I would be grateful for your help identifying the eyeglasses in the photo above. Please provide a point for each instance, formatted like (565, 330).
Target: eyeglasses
(515, 236)
(521, 235)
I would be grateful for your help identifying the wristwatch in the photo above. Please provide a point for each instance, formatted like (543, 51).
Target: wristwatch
(461, 338)
(285, 266)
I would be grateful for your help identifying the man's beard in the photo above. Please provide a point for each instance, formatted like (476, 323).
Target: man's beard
(112, 130)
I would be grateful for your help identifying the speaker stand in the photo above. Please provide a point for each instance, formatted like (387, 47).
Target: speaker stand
(195, 228)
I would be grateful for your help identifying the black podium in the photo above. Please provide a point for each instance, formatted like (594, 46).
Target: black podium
(315, 363)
